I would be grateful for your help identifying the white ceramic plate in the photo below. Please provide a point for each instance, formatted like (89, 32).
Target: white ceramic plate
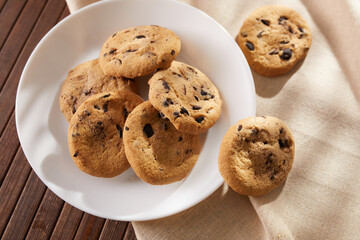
(43, 130)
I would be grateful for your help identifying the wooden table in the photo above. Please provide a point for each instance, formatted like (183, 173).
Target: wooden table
(28, 209)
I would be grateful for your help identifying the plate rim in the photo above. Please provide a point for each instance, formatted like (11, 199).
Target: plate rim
(172, 211)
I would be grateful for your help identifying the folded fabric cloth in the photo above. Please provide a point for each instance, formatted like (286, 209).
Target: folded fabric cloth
(320, 101)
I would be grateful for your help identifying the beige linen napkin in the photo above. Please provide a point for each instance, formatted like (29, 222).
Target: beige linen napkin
(319, 100)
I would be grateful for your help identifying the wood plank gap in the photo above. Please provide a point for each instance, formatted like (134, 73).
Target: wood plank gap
(130, 233)
(13, 20)
(90, 227)
(45, 218)
(9, 146)
(8, 93)
(25, 209)
(2, 4)
(2, 130)
(12, 187)
(2, 82)
(113, 230)
(68, 223)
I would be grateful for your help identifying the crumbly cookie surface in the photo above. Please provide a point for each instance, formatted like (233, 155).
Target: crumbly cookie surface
(157, 152)
(139, 51)
(95, 135)
(273, 39)
(186, 96)
(85, 80)
(256, 155)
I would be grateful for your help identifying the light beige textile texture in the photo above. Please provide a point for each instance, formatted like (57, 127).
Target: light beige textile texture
(320, 102)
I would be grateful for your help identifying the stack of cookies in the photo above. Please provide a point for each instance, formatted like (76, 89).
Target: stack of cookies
(111, 128)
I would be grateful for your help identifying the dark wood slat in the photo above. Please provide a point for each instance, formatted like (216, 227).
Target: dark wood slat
(12, 187)
(9, 144)
(46, 217)
(113, 230)
(25, 209)
(130, 233)
(65, 13)
(67, 224)
(46, 21)
(2, 3)
(17, 37)
(8, 16)
(90, 227)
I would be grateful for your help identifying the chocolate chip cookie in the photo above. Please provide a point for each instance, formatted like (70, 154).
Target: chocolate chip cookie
(156, 151)
(139, 51)
(95, 135)
(256, 155)
(85, 80)
(185, 96)
(273, 39)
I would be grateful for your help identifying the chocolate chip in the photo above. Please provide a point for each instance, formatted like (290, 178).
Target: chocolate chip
(106, 95)
(250, 46)
(196, 107)
(243, 34)
(272, 177)
(148, 130)
(192, 69)
(73, 110)
(282, 18)
(127, 128)
(119, 130)
(286, 54)
(114, 35)
(290, 29)
(152, 41)
(203, 93)
(196, 98)
(176, 114)
(300, 29)
(281, 130)
(301, 35)
(284, 42)
(134, 50)
(140, 36)
(259, 34)
(177, 74)
(184, 87)
(96, 107)
(165, 126)
(76, 154)
(119, 60)
(240, 127)
(266, 22)
(165, 85)
(254, 132)
(172, 52)
(87, 92)
(167, 102)
(200, 119)
(184, 111)
(187, 151)
(195, 88)
(161, 115)
(126, 113)
(284, 143)
(86, 112)
(105, 107)
(179, 139)
(112, 51)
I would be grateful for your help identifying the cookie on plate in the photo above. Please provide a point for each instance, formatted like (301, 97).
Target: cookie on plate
(186, 96)
(157, 152)
(256, 155)
(139, 51)
(95, 135)
(85, 80)
(273, 39)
